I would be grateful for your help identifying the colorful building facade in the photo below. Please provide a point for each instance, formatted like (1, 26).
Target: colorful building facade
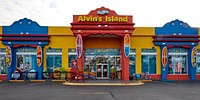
(104, 43)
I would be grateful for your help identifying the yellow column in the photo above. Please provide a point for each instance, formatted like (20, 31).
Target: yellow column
(65, 58)
(158, 61)
(138, 61)
(45, 57)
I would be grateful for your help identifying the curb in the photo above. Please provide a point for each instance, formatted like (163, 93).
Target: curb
(145, 81)
(103, 84)
(58, 81)
(16, 81)
(37, 81)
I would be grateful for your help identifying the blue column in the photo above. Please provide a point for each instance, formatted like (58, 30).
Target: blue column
(164, 70)
(12, 67)
(40, 68)
(191, 69)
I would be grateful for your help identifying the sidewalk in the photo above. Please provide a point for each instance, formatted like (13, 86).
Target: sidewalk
(104, 83)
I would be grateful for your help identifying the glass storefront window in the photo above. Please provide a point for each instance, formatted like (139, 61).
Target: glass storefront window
(71, 56)
(177, 64)
(26, 62)
(54, 59)
(115, 64)
(198, 64)
(149, 61)
(26, 59)
(177, 61)
(3, 68)
(149, 64)
(132, 64)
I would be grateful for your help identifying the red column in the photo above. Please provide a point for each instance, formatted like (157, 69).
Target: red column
(125, 63)
(80, 62)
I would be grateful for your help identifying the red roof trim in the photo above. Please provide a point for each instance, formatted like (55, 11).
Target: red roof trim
(103, 33)
(183, 46)
(102, 28)
(24, 45)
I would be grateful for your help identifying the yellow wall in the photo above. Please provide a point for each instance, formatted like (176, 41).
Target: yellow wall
(1, 45)
(198, 46)
(59, 30)
(61, 37)
(142, 38)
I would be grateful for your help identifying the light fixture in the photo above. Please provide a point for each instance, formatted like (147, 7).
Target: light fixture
(192, 43)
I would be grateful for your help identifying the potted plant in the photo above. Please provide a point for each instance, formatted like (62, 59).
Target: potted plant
(63, 73)
(112, 72)
(45, 73)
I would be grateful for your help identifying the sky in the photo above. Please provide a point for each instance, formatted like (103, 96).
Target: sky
(146, 13)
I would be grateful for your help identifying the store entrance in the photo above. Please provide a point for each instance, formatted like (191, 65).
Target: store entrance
(103, 63)
(102, 71)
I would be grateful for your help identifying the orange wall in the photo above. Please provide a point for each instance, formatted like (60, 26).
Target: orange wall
(104, 42)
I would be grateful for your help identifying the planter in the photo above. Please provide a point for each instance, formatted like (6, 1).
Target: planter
(63, 75)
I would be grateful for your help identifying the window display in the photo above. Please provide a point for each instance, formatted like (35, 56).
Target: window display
(3, 67)
(177, 61)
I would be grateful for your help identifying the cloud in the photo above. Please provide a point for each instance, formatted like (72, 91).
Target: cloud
(60, 12)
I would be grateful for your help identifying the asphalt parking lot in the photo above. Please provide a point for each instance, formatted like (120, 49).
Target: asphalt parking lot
(57, 91)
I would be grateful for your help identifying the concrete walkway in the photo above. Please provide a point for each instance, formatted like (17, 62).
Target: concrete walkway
(103, 83)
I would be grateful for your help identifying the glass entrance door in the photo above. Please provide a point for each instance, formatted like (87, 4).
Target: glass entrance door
(102, 71)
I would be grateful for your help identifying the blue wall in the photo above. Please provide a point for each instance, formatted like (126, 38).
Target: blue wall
(24, 26)
(177, 29)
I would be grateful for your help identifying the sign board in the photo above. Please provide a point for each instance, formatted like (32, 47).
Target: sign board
(39, 56)
(126, 45)
(79, 45)
(164, 56)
